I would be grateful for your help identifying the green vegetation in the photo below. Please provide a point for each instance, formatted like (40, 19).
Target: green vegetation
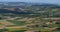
(17, 22)
(42, 18)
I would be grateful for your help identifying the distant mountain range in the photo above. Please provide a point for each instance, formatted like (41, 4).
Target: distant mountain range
(25, 8)
(24, 3)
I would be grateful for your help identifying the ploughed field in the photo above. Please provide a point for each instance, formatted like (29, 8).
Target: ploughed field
(30, 24)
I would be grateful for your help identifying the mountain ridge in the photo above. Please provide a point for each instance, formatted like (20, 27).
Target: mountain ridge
(26, 8)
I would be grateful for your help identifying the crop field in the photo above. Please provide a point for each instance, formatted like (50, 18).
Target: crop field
(29, 17)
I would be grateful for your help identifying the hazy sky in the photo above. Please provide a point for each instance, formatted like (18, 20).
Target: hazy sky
(38, 1)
